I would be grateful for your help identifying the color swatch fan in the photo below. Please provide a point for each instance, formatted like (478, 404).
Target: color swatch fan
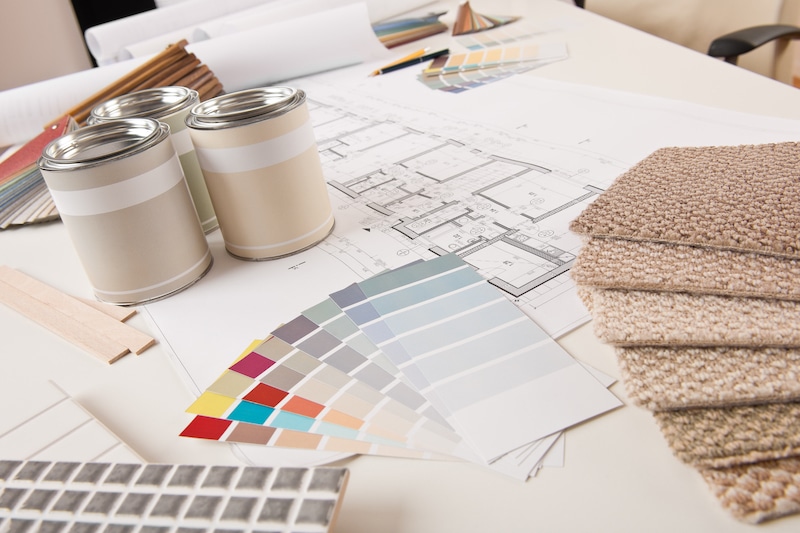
(396, 32)
(426, 361)
(24, 198)
(467, 21)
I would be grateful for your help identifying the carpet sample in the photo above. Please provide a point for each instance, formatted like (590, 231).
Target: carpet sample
(650, 318)
(730, 197)
(661, 378)
(610, 263)
(757, 492)
(730, 436)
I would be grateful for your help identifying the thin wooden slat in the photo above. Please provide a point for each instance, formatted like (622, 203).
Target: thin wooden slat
(130, 337)
(105, 349)
(122, 85)
(158, 79)
(114, 311)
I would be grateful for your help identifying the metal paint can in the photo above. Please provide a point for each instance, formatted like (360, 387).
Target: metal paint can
(170, 105)
(260, 160)
(123, 199)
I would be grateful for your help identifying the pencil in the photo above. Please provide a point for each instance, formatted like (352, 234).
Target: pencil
(413, 61)
(409, 57)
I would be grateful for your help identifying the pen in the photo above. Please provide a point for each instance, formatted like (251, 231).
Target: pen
(408, 62)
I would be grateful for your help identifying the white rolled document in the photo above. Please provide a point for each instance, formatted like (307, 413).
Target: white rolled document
(298, 47)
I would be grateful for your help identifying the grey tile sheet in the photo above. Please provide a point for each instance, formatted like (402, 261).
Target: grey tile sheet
(45, 496)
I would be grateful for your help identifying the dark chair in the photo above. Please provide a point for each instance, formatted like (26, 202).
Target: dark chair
(730, 46)
(723, 37)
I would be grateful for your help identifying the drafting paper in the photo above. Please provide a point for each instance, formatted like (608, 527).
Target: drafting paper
(387, 145)
(50, 425)
(475, 355)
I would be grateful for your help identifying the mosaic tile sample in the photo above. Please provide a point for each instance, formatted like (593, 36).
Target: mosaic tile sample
(128, 497)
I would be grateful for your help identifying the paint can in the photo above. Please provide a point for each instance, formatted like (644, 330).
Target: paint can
(258, 154)
(123, 199)
(170, 105)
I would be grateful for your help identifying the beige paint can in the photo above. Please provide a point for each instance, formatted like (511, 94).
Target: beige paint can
(123, 199)
(170, 105)
(260, 161)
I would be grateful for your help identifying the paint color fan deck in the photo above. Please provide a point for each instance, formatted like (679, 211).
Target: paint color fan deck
(426, 361)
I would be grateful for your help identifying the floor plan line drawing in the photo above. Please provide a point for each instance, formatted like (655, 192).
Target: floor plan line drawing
(431, 188)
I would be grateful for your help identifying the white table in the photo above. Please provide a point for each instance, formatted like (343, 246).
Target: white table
(619, 473)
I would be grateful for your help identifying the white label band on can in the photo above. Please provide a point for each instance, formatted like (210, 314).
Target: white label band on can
(170, 105)
(260, 161)
(120, 195)
(258, 155)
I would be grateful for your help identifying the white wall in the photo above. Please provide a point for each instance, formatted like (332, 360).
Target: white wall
(39, 39)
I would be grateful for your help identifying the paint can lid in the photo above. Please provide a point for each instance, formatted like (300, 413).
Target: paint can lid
(244, 107)
(158, 102)
(103, 142)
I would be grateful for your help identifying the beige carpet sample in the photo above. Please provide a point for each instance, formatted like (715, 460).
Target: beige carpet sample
(723, 437)
(650, 318)
(611, 263)
(659, 378)
(690, 268)
(757, 492)
(731, 197)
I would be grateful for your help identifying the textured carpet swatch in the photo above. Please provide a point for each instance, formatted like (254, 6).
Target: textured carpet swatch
(757, 492)
(649, 318)
(610, 263)
(691, 269)
(716, 438)
(660, 378)
(731, 197)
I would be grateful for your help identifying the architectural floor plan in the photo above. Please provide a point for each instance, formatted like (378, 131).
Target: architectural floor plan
(436, 187)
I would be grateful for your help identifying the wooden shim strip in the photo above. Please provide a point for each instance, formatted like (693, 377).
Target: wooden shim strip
(130, 337)
(193, 76)
(114, 311)
(176, 74)
(210, 88)
(122, 85)
(105, 349)
(159, 78)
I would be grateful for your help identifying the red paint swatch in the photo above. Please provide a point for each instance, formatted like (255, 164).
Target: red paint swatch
(204, 427)
(263, 394)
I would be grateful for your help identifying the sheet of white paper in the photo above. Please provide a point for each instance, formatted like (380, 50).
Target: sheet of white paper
(353, 121)
(556, 454)
(280, 10)
(156, 44)
(267, 14)
(51, 425)
(295, 47)
(25, 110)
(106, 40)
(378, 135)
(343, 36)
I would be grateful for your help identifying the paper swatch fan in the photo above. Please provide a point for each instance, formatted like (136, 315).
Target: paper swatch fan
(467, 21)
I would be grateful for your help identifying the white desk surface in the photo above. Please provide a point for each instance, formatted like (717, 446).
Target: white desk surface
(619, 473)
